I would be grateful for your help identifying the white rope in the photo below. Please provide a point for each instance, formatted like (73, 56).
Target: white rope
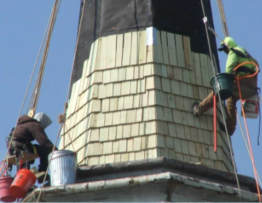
(38, 84)
(37, 58)
(71, 78)
(223, 114)
(245, 140)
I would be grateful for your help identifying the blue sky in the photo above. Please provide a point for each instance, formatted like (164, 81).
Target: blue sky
(22, 25)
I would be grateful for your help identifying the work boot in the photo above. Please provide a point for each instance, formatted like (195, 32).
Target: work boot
(41, 179)
(229, 130)
(195, 108)
(32, 188)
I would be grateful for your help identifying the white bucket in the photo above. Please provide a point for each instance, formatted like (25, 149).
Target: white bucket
(62, 167)
(251, 107)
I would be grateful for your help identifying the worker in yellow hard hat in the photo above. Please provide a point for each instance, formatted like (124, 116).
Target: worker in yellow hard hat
(235, 56)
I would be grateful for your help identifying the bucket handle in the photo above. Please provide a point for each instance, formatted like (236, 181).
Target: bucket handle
(61, 156)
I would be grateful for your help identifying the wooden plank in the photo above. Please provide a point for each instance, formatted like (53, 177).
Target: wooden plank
(119, 50)
(83, 79)
(178, 73)
(111, 52)
(25, 157)
(193, 72)
(172, 49)
(103, 53)
(199, 152)
(142, 47)
(164, 47)
(184, 146)
(150, 54)
(74, 98)
(180, 51)
(98, 55)
(197, 69)
(186, 75)
(205, 150)
(158, 53)
(204, 70)
(164, 70)
(202, 93)
(170, 72)
(134, 48)
(127, 49)
(187, 51)
(150, 43)
(93, 58)
(86, 80)
(88, 69)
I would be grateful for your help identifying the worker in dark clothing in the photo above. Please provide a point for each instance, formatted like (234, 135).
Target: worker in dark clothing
(29, 129)
(248, 86)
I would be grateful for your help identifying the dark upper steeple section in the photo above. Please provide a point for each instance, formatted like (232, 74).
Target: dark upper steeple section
(106, 17)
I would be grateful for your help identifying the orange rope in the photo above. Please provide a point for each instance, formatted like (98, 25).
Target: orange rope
(244, 116)
(247, 76)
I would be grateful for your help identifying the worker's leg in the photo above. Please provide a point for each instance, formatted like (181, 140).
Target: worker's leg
(248, 89)
(43, 153)
(204, 105)
(231, 114)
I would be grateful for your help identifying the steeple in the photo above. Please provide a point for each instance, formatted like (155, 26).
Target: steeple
(140, 65)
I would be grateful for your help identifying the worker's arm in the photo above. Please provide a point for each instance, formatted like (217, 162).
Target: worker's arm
(40, 136)
(232, 62)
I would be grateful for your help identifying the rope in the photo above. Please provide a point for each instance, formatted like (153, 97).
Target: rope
(23, 103)
(68, 91)
(29, 84)
(52, 153)
(62, 118)
(225, 29)
(69, 137)
(223, 114)
(38, 55)
(37, 87)
(245, 140)
(245, 122)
